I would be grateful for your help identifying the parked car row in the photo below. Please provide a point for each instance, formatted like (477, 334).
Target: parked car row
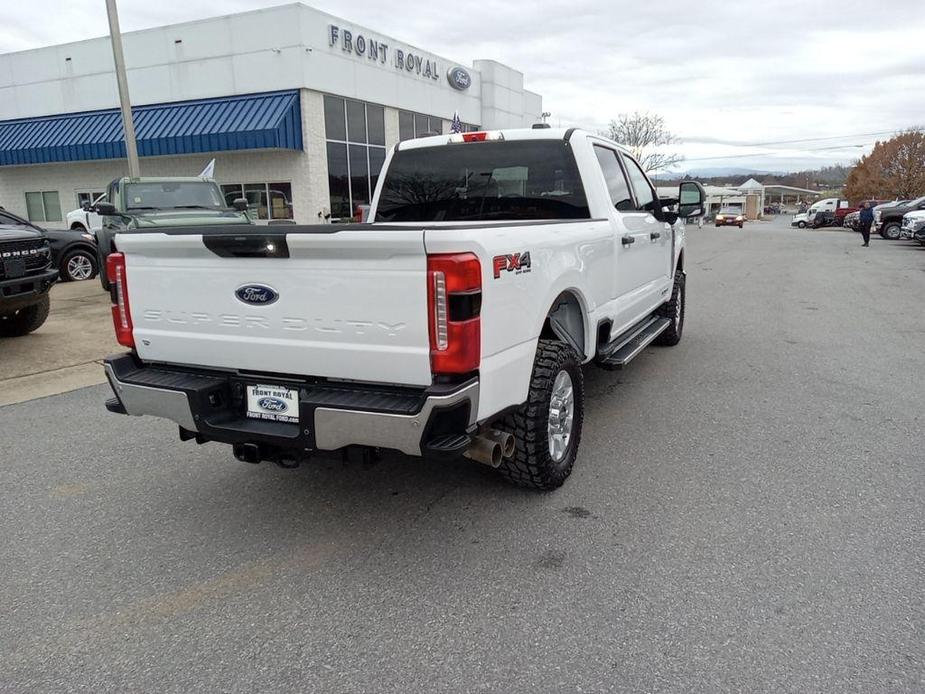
(913, 226)
(888, 219)
(888, 216)
(830, 212)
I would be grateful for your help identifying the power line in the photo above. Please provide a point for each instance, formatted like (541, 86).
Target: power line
(772, 152)
(791, 142)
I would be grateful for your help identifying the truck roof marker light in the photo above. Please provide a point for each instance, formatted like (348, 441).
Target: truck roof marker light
(480, 136)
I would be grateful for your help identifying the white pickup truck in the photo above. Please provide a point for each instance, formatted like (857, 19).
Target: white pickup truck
(455, 323)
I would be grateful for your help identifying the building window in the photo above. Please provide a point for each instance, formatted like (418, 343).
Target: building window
(264, 200)
(411, 125)
(43, 206)
(88, 198)
(355, 139)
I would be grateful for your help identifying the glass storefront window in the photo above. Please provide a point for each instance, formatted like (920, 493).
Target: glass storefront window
(264, 200)
(280, 200)
(359, 176)
(256, 195)
(338, 180)
(232, 192)
(405, 125)
(335, 127)
(376, 160)
(355, 134)
(375, 122)
(356, 122)
(411, 125)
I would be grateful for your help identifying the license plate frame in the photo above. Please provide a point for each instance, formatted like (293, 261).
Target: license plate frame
(272, 403)
(14, 268)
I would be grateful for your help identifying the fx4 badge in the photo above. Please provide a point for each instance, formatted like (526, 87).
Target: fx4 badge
(516, 262)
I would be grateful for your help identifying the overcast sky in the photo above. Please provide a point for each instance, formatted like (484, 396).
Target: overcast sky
(723, 74)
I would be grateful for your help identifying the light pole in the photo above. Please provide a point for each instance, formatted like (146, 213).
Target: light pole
(131, 148)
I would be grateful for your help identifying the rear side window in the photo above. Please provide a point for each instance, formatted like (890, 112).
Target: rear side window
(519, 180)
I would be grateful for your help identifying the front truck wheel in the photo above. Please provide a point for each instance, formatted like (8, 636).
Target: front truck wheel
(547, 428)
(25, 320)
(673, 309)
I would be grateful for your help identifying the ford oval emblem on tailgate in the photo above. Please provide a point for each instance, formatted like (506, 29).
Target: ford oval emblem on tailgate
(256, 294)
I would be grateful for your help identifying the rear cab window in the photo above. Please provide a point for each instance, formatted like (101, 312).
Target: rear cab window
(507, 180)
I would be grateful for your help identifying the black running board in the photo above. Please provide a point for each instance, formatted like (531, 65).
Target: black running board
(625, 348)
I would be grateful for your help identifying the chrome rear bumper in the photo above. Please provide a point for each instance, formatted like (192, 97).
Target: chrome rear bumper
(204, 404)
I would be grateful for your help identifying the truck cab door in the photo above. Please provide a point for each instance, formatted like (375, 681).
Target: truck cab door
(652, 234)
(637, 239)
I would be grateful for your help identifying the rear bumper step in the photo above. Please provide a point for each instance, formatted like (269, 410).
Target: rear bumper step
(211, 406)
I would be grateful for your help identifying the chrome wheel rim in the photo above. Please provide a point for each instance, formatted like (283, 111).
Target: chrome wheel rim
(561, 414)
(79, 267)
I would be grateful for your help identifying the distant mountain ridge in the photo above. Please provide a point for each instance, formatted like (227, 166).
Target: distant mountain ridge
(711, 172)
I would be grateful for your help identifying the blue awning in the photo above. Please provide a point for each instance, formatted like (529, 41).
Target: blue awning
(253, 121)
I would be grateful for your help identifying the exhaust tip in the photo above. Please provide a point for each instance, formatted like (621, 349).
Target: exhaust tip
(485, 450)
(505, 439)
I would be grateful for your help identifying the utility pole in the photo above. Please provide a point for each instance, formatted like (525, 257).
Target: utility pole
(128, 125)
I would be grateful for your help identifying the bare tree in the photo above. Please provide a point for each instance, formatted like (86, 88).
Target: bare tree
(644, 134)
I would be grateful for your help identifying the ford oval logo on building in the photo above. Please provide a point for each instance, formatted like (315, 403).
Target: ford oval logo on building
(256, 294)
(459, 78)
(272, 404)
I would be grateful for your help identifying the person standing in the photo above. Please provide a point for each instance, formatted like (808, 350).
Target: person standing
(865, 219)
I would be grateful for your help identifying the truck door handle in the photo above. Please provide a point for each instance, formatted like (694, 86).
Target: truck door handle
(655, 235)
(627, 240)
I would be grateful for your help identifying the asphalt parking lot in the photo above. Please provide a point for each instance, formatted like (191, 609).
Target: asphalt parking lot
(66, 352)
(745, 516)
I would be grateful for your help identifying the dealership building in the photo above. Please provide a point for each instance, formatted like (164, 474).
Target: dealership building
(296, 106)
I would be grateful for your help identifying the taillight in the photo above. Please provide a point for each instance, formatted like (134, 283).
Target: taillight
(118, 292)
(454, 302)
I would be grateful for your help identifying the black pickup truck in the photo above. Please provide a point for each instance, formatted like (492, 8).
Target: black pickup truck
(888, 219)
(26, 275)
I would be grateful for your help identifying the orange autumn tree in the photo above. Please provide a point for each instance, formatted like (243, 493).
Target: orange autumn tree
(894, 169)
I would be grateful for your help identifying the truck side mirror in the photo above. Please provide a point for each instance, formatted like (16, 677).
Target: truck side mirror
(105, 209)
(240, 204)
(691, 196)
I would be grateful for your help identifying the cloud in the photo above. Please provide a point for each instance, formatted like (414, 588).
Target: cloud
(720, 73)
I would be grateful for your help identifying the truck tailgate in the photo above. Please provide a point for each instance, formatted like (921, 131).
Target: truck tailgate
(349, 304)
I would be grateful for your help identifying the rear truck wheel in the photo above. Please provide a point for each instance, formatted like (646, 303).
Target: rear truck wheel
(547, 428)
(673, 309)
(25, 320)
(891, 231)
(78, 265)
